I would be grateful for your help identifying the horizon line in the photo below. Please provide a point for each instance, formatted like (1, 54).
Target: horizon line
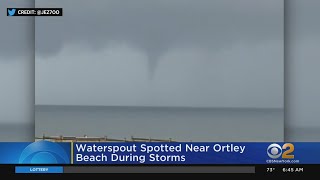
(144, 106)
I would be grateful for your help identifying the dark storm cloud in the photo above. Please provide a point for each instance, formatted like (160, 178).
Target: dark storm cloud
(16, 33)
(155, 26)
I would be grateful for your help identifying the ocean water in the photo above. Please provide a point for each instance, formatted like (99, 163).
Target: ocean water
(180, 124)
(302, 134)
(17, 132)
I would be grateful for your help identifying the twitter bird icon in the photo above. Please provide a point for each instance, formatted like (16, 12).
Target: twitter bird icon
(11, 12)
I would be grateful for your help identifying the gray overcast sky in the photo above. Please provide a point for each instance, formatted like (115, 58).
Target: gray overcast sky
(16, 59)
(303, 62)
(16, 67)
(211, 53)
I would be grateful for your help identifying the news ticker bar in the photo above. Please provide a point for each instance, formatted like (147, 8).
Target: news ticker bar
(130, 169)
(34, 11)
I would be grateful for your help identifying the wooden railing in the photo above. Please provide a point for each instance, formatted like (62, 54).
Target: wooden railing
(98, 139)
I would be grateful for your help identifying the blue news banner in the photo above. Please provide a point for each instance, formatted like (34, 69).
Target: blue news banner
(46, 152)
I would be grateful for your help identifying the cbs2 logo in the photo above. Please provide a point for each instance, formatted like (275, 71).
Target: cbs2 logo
(285, 151)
